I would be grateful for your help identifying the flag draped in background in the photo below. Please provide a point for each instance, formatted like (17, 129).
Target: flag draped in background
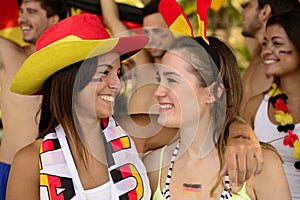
(9, 27)
(131, 11)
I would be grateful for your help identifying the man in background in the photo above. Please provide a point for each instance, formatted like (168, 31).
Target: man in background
(19, 113)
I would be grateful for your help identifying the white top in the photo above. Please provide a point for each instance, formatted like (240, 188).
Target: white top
(101, 192)
(267, 132)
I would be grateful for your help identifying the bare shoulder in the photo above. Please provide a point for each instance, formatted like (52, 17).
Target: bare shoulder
(272, 163)
(12, 55)
(271, 156)
(6, 44)
(278, 187)
(30, 151)
(24, 174)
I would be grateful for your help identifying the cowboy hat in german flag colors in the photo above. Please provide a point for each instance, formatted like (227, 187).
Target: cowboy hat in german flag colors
(71, 40)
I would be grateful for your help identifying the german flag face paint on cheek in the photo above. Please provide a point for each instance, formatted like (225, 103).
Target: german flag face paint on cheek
(95, 82)
(284, 52)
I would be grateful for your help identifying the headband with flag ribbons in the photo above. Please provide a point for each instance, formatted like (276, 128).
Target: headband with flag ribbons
(177, 21)
(202, 9)
(175, 17)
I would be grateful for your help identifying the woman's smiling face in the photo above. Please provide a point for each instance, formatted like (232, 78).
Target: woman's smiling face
(96, 99)
(279, 54)
(179, 93)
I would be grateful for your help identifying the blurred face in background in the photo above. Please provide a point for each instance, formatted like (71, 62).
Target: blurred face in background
(251, 23)
(160, 36)
(33, 20)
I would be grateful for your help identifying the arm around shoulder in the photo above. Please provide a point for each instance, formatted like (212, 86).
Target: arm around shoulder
(23, 181)
(243, 144)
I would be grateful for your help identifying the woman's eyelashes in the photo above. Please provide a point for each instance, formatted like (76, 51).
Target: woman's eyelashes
(120, 72)
(105, 70)
(171, 80)
(168, 78)
(274, 43)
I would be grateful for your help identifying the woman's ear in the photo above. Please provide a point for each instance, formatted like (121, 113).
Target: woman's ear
(215, 91)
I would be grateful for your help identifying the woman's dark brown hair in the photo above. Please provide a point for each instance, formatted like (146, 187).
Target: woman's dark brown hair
(57, 102)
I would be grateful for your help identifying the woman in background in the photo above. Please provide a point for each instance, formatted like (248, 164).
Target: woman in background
(275, 114)
(77, 68)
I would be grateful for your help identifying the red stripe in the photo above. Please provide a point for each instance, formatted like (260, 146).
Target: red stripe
(117, 145)
(126, 172)
(47, 145)
(9, 14)
(202, 9)
(170, 10)
(105, 121)
(54, 182)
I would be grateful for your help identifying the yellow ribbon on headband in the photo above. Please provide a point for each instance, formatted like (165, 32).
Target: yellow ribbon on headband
(178, 21)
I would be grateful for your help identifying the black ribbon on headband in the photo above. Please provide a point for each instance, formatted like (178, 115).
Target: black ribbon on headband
(210, 50)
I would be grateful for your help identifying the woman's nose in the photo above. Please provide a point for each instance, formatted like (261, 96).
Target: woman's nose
(160, 91)
(114, 82)
(266, 50)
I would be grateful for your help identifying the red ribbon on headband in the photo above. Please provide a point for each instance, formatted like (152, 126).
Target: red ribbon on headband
(178, 21)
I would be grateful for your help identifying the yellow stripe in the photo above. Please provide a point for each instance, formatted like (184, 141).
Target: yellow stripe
(14, 34)
(180, 25)
(125, 142)
(201, 29)
(135, 3)
(139, 188)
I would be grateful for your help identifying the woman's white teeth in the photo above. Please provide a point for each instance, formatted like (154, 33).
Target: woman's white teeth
(107, 98)
(166, 106)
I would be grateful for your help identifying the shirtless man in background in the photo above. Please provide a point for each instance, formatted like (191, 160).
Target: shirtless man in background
(19, 112)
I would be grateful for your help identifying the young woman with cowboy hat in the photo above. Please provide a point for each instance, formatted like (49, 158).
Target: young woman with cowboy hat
(76, 67)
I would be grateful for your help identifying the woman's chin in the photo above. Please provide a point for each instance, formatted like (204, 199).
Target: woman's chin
(167, 122)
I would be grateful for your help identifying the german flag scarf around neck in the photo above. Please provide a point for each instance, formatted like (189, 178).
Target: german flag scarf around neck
(59, 177)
